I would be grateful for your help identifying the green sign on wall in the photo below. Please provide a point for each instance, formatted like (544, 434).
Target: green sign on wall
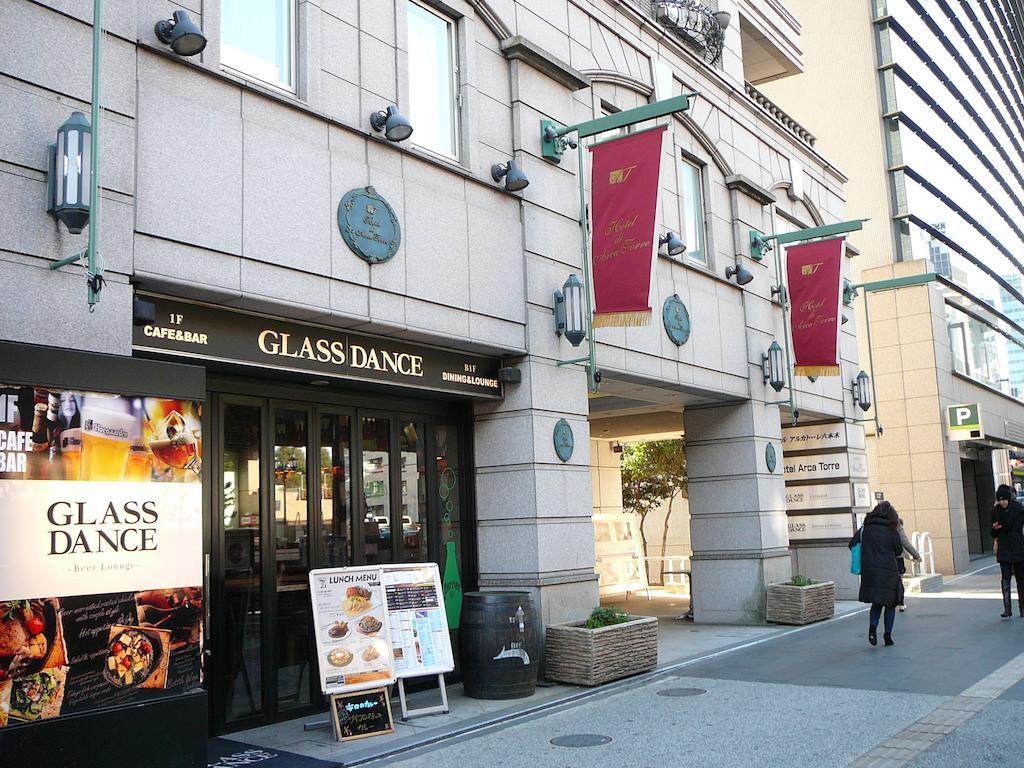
(965, 422)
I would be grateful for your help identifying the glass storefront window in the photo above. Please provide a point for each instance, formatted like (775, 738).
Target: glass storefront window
(376, 485)
(414, 492)
(335, 491)
(449, 468)
(433, 106)
(984, 354)
(240, 488)
(258, 38)
(291, 535)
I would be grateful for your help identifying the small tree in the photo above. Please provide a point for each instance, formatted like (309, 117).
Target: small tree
(653, 472)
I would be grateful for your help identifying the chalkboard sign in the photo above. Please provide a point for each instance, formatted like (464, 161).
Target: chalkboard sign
(362, 714)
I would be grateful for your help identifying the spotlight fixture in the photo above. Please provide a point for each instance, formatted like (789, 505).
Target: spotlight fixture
(773, 367)
(394, 124)
(182, 34)
(862, 391)
(675, 246)
(68, 180)
(515, 179)
(570, 316)
(741, 273)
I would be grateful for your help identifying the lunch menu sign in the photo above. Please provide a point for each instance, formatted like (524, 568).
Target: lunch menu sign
(101, 598)
(198, 330)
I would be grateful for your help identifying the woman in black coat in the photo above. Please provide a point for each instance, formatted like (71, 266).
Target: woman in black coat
(880, 580)
(1007, 525)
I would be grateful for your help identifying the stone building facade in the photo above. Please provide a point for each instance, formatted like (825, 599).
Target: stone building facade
(221, 179)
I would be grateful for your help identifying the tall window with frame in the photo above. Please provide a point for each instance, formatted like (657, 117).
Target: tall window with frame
(433, 80)
(257, 38)
(692, 189)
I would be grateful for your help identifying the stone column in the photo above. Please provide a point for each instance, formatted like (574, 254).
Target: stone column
(737, 511)
(534, 528)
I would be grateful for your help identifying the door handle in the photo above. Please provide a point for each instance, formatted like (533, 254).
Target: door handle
(206, 597)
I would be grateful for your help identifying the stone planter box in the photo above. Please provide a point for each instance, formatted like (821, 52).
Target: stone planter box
(575, 654)
(801, 605)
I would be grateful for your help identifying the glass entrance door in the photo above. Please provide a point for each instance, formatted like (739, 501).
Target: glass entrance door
(293, 636)
(304, 485)
(262, 529)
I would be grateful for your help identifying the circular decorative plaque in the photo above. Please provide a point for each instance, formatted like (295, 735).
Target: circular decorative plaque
(369, 225)
(771, 458)
(563, 440)
(676, 319)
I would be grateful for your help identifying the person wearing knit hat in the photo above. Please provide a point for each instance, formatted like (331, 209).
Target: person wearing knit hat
(1008, 532)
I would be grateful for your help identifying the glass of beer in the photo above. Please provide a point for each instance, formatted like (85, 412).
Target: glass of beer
(140, 463)
(106, 441)
(175, 445)
(71, 453)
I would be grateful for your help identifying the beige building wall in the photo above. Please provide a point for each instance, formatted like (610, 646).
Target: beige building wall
(606, 477)
(913, 463)
(837, 99)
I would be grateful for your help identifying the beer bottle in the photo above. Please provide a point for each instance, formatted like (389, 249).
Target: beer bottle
(39, 460)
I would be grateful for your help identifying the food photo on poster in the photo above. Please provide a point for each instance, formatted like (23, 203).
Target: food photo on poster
(101, 602)
(352, 633)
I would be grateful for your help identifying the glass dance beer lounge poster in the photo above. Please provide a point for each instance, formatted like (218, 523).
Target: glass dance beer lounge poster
(101, 599)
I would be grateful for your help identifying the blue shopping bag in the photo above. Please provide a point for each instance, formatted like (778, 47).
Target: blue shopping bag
(855, 552)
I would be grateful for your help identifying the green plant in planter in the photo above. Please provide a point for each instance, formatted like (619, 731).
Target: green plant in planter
(606, 617)
(801, 581)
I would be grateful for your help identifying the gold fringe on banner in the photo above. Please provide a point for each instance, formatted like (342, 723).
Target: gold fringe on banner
(622, 319)
(816, 370)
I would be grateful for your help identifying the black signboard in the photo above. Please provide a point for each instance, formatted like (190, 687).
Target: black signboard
(200, 330)
(362, 714)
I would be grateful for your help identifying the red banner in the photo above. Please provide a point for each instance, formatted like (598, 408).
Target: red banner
(815, 272)
(624, 203)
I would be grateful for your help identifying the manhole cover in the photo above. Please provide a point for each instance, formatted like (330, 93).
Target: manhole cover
(581, 740)
(680, 692)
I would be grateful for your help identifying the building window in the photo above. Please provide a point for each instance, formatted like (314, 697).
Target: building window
(257, 38)
(693, 211)
(433, 83)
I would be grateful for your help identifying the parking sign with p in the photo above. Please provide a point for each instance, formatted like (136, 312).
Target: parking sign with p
(965, 422)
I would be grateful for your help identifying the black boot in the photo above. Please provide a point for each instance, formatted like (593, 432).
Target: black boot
(1007, 605)
(873, 635)
(888, 639)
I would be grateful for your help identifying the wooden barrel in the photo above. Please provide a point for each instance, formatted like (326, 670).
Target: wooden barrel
(499, 645)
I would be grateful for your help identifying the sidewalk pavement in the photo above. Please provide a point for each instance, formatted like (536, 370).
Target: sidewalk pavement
(680, 642)
(949, 694)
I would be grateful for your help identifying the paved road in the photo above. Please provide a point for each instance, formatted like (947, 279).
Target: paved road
(949, 693)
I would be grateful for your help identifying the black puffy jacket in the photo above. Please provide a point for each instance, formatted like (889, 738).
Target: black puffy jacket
(1010, 536)
(880, 550)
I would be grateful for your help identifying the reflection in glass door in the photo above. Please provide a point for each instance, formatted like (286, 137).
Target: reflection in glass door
(335, 491)
(293, 637)
(240, 504)
(376, 487)
(411, 439)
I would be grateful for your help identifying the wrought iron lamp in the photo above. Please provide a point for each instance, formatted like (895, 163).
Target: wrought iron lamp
(862, 391)
(394, 124)
(773, 367)
(570, 315)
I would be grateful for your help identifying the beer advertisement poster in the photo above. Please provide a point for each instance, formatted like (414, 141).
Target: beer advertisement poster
(420, 642)
(101, 599)
(352, 637)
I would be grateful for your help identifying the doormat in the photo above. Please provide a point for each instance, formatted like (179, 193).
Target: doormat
(224, 753)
